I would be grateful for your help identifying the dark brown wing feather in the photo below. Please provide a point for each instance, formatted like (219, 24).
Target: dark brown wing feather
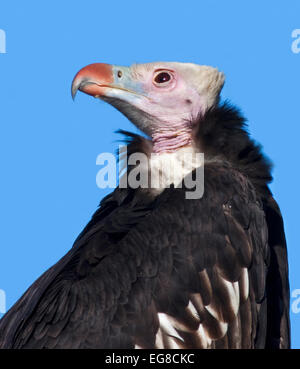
(171, 272)
(177, 273)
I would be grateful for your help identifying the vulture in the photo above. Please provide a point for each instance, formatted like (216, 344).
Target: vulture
(189, 258)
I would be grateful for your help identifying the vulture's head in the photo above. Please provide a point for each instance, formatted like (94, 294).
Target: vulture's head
(162, 99)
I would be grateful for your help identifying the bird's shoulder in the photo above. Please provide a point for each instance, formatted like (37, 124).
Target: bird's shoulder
(134, 249)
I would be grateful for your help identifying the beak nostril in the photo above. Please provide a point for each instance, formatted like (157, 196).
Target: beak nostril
(120, 73)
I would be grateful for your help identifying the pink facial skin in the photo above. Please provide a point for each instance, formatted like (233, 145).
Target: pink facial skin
(174, 106)
(162, 99)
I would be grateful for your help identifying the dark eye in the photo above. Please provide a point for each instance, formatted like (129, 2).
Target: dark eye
(120, 73)
(162, 77)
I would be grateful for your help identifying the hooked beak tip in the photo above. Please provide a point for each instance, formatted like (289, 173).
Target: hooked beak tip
(74, 90)
(75, 87)
(90, 78)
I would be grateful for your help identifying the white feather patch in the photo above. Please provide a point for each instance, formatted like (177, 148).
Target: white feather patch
(234, 293)
(204, 337)
(171, 168)
(244, 284)
(166, 325)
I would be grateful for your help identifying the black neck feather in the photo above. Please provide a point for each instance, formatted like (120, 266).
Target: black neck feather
(222, 135)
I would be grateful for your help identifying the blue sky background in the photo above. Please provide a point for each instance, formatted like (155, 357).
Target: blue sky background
(49, 144)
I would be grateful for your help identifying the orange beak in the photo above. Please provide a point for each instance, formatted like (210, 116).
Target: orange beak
(93, 79)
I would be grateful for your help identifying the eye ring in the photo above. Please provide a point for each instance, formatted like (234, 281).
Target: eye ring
(162, 78)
